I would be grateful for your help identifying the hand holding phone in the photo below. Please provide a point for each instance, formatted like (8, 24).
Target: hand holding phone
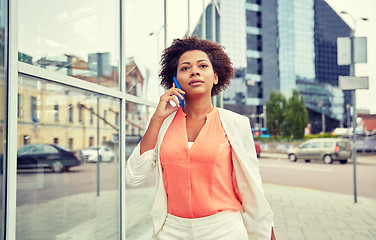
(177, 85)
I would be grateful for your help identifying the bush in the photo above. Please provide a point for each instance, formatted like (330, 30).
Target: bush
(319, 135)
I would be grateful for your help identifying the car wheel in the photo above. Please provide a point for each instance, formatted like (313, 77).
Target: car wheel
(57, 167)
(328, 159)
(293, 158)
(343, 161)
(307, 160)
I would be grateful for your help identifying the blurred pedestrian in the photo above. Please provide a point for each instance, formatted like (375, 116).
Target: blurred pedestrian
(208, 184)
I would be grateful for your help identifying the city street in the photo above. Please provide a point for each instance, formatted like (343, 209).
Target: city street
(291, 188)
(336, 177)
(274, 168)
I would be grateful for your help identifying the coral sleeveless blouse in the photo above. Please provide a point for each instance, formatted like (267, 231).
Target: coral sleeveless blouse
(198, 180)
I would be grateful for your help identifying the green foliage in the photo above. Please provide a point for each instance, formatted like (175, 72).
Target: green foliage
(295, 116)
(274, 113)
(288, 119)
(320, 135)
(291, 139)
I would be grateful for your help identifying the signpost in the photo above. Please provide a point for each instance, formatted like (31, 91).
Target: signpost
(351, 50)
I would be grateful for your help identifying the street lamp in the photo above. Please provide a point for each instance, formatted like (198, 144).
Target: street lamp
(156, 33)
(352, 73)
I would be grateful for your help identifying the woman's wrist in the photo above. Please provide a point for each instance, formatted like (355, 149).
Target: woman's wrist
(157, 118)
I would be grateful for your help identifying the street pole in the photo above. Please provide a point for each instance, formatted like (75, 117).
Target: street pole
(353, 95)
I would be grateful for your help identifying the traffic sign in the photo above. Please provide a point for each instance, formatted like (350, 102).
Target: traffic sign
(353, 83)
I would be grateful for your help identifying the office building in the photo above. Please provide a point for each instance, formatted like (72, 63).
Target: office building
(281, 45)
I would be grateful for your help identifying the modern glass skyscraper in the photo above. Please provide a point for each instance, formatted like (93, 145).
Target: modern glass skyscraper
(282, 45)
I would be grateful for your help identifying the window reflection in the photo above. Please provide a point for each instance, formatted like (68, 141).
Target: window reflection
(139, 200)
(67, 163)
(75, 38)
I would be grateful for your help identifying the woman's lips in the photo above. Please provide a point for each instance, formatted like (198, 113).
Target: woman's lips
(195, 82)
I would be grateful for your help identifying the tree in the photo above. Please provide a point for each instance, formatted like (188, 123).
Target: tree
(274, 112)
(295, 116)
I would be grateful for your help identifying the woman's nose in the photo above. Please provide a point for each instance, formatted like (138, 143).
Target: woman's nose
(195, 73)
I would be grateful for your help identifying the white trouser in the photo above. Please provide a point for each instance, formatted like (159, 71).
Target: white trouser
(225, 225)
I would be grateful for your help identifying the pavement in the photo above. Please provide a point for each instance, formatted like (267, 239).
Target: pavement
(299, 214)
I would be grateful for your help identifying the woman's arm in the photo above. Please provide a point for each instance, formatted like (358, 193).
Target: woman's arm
(164, 109)
(142, 161)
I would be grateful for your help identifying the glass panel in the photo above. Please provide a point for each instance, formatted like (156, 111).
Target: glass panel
(64, 189)
(144, 44)
(144, 38)
(3, 103)
(139, 200)
(76, 38)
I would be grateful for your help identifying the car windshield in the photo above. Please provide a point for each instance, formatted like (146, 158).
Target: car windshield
(36, 148)
(93, 148)
(305, 145)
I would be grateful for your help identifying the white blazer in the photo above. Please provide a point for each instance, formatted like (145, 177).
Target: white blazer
(247, 181)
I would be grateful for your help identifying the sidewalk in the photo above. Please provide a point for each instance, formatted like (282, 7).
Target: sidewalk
(299, 214)
(307, 214)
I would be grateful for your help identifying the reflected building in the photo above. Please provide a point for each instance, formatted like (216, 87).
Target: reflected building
(282, 45)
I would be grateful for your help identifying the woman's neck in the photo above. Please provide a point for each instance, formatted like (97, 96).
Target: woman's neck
(198, 108)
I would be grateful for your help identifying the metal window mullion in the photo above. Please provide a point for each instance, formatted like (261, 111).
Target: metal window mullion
(49, 75)
(11, 121)
(122, 139)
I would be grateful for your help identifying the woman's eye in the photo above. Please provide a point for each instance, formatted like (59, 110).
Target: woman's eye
(203, 66)
(184, 69)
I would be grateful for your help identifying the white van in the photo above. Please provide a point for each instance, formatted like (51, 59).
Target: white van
(326, 149)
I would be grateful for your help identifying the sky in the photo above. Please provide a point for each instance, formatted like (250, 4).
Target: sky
(69, 28)
(366, 99)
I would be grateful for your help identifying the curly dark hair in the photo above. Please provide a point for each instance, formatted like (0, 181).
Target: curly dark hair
(221, 62)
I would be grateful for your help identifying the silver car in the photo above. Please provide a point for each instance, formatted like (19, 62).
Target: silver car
(326, 149)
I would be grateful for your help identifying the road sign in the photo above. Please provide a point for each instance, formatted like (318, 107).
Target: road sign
(352, 82)
(344, 50)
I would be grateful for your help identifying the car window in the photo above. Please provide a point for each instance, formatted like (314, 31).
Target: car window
(328, 144)
(342, 145)
(25, 149)
(316, 145)
(305, 145)
(47, 149)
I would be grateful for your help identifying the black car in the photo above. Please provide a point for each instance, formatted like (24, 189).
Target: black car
(53, 156)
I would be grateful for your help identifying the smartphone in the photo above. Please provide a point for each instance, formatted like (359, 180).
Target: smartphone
(181, 101)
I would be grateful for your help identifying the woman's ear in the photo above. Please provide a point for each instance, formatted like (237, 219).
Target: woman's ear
(215, 79)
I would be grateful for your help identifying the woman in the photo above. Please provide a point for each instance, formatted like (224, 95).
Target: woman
(208, 172)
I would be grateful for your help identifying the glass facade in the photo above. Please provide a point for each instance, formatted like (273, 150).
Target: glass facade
(307, 35)
(63, 181)
(296, 43)
(233, 35)
(78, 39)
(79, 81)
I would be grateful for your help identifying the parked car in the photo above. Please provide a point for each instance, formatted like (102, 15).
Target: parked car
(326, 149)
(53, 156)
(105, 154)
(258, 149)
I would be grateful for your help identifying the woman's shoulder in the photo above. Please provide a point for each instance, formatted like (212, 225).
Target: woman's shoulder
(230, 114)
